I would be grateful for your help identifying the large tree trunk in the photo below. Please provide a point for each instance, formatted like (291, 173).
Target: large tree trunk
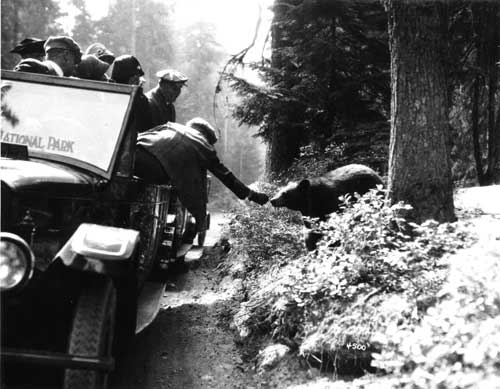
(284, 144)
(492, 41)
(419, 158)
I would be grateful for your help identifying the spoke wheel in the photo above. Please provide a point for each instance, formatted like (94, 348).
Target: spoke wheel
(92, 332)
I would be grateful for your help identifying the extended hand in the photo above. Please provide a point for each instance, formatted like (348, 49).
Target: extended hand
(257, 197)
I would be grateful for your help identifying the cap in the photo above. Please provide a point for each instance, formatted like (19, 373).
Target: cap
(205, 128)
(101, 52)
(124, 67)
(171, 75)
(29, 45)
(31, 65)
(63, 42)
(91, 68)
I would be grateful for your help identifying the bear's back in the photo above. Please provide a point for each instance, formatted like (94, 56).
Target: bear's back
(326, 189)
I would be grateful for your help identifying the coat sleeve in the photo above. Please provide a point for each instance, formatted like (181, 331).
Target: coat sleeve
(227, 177)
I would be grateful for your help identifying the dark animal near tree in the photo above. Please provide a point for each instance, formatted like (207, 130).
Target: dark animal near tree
(317, 197)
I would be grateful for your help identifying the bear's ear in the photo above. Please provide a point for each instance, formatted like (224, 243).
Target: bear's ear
(304, 184)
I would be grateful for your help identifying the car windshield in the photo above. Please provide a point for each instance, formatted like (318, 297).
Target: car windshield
(69, 120)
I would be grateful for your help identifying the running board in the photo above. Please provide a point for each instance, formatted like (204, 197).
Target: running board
(148, 304)
(183, 250)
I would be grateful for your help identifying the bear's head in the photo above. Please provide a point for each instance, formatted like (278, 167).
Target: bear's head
(294, 196)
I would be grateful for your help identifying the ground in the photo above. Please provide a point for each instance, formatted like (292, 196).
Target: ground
(191, 345)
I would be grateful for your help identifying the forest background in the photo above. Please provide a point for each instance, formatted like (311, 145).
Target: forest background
(323, 99)
(159, 41)
(322, 95)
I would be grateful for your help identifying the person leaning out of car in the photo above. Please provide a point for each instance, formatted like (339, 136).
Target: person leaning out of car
(128, 70)
(182, 155)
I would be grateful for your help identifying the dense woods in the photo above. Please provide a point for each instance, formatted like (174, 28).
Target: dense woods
(410, 88)
(147, 29)
(329, 81)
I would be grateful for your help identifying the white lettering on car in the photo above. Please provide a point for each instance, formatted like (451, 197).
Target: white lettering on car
(37, 142)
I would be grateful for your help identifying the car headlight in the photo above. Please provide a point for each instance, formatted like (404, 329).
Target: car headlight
(16, 262)
(104, 242)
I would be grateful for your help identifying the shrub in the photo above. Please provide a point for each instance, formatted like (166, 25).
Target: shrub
(371, 271)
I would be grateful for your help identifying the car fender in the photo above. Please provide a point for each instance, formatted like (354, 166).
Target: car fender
(101, 249)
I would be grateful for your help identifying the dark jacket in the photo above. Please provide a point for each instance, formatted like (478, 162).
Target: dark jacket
(161, 110)
(141, 112)
(185, 155)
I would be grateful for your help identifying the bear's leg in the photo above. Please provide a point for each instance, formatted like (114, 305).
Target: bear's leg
(312, 238)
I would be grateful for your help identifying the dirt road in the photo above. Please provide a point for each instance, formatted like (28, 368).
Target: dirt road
(188, 345)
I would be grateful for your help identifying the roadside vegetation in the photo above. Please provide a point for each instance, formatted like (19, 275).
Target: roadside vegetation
(380, 295)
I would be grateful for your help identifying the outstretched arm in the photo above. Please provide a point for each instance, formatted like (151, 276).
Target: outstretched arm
(234, 184)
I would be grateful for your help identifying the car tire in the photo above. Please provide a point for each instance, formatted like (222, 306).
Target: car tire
(126, 313)
(92, 332)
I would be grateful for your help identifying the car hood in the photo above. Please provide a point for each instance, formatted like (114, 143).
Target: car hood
(49, 177)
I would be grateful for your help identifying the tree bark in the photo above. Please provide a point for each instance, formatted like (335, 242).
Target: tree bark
(284, 143)
(485, 130)
(493, 41)
(419, 154)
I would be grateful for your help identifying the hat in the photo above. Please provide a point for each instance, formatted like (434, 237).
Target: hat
(171, 75)
(124, 67)
(63, 42)
(31, 65)
(29, 45)
(101, 52)
(91, 68)
(205, 128)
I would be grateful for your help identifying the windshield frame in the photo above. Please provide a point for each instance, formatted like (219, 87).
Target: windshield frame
(70, 82)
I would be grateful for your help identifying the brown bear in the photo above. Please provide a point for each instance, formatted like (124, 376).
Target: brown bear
(317, 197)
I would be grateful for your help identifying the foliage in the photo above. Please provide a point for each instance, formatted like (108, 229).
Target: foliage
(199, 56)
(85, 29)
(144, 31)
(456, 345)
(365, 144)
(328, 70)
(474, 86)
(25, 18)
(267, 235)
(372, 269)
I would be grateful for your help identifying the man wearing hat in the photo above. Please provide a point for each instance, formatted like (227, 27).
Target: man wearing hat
(162, 97)
(30, 48)
(64, 52)
(128, 70)
(182, 154)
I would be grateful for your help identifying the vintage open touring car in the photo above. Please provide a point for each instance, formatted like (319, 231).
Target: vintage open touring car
(81, 236)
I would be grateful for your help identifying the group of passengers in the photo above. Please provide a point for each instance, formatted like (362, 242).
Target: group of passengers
(166, 151)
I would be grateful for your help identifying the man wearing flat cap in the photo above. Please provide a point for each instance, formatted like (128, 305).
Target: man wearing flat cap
(30, 48)
(182, 154)
(162, 97)
(64, 52)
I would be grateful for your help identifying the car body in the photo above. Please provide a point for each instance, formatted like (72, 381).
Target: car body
(80, 233)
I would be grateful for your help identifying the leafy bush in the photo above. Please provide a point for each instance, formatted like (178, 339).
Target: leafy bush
(457, 344)
(371, 271)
